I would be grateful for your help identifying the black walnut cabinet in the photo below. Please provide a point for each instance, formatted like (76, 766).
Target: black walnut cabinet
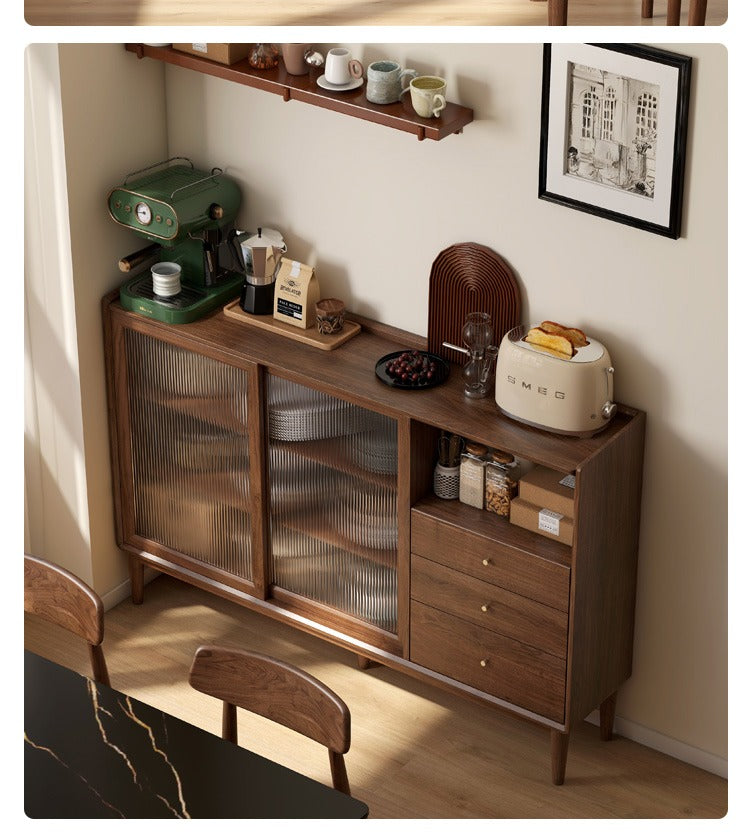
(294, 482)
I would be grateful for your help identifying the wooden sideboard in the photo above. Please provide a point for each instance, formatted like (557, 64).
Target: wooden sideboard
(338, 532)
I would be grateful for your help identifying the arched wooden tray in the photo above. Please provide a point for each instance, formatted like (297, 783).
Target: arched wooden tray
(464, 278)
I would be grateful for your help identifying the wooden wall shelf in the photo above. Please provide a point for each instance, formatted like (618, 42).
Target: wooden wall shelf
(399, 116)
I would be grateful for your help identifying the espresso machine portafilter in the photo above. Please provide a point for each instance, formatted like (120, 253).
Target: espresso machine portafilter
(188, 217)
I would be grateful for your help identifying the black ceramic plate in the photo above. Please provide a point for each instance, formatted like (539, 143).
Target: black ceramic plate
(441, 372)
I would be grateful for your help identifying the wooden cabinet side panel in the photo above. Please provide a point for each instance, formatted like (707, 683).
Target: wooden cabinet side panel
(605, 556)
(116, 365)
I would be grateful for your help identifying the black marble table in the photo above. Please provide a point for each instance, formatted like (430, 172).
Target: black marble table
(93, 752)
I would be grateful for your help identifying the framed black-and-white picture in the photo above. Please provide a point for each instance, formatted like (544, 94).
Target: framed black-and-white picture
(614, 132)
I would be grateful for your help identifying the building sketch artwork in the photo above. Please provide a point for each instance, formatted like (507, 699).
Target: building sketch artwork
(612, 129)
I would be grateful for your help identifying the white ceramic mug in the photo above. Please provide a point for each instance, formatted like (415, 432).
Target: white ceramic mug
(427, 95)
(341, 68)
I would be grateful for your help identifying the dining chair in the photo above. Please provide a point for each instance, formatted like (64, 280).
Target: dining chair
(278, 691)
(557, 12)
(60, 597)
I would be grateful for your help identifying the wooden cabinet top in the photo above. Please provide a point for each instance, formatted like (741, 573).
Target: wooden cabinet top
(349, 373)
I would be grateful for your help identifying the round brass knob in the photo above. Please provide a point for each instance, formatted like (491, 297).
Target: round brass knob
(483, 663)
(484, 608)
(485, 562)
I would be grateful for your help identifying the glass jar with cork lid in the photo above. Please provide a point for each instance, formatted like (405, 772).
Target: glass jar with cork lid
(501, 482)
(471, 485)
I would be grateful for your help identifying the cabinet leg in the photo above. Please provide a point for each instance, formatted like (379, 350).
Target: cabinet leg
(607, 717)
(557, 12)
(559, 752)
(136, 580)
(647, 8)
(364, 662)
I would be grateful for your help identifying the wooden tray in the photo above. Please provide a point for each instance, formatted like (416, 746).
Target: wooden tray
(310, 336)
(464, 278)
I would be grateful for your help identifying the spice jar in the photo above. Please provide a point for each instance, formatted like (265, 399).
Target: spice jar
(501, 482)
(471, 486)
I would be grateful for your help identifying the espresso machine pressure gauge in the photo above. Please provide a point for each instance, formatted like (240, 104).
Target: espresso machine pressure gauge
(143, 213)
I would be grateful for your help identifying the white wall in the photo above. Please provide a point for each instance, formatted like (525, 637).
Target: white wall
(371, 208)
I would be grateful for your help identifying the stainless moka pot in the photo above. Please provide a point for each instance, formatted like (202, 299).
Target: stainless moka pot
(261, 254)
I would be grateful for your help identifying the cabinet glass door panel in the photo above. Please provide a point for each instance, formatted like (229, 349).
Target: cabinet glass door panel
(190, 453)
(332, 478)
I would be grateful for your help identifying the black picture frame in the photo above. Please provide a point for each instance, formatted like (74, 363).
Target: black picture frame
(626, 201)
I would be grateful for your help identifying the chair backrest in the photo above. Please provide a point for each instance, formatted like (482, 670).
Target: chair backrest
(278, 691)
(60, 597)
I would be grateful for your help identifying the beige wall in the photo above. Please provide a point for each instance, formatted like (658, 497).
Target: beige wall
(371, 208)
(100, 139)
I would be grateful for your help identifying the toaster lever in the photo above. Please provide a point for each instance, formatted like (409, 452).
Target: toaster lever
(608, 410)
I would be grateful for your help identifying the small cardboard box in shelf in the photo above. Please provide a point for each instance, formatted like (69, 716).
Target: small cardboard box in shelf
(222, 53)
(548, 489)
(543, 521)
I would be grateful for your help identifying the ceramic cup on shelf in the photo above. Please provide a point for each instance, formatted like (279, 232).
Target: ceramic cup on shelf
(341, 68)
(294, 58)
(427, 95)
(385, 82)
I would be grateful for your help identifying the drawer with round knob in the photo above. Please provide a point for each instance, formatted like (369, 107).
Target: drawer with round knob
(489, 606)
(491, 549)
(498, 665)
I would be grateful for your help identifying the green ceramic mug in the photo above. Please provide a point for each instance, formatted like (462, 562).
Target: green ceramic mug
(427, 95)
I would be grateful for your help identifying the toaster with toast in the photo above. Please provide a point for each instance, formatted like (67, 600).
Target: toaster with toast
(536, 385)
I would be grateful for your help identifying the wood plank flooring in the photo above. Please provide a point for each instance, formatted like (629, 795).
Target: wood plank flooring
(416, 751)
(349, 12)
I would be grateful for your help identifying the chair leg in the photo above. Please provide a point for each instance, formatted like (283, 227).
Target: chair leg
(98, 664)
(647, 8)
(673, 12)
(697, 13)
(607, 717)
(557, 12)
(338, 772)
(559, 752)
(229, 722)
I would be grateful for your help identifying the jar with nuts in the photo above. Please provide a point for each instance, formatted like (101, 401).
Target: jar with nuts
(501, 482)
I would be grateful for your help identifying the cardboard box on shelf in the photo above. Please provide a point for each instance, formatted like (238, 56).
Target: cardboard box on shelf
(543, 521)
(222, 53)
(545, 488)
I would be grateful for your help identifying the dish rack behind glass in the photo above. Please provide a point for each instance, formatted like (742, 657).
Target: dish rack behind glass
(332, 476)
(190, 453)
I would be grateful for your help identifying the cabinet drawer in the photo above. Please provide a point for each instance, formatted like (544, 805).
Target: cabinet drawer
(493, 560)
(489, 606)
(515, 672)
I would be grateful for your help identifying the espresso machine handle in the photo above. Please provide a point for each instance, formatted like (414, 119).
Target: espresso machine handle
(127, 263)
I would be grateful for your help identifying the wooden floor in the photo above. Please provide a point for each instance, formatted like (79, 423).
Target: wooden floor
(349, 12)
(416, 751)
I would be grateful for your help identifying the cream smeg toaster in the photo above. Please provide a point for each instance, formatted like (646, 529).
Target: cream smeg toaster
(573, 396)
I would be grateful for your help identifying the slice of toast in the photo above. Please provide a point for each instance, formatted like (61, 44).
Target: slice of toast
(554, 343)
(575, 335)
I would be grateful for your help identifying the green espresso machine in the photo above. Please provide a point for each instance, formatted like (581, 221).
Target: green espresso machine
(188, 216)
